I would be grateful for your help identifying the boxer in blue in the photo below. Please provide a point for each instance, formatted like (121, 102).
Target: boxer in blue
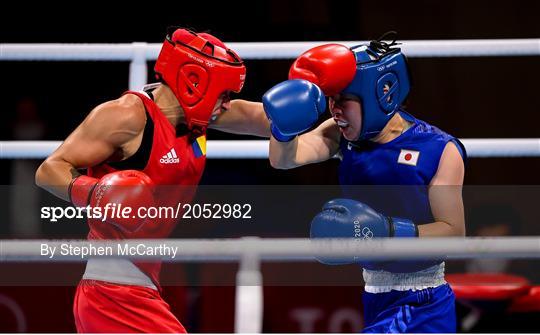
(379, 144)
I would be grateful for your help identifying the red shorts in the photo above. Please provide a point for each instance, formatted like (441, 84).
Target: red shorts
(102, 307)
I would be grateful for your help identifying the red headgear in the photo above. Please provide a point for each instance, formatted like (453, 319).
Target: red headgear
(198, 68)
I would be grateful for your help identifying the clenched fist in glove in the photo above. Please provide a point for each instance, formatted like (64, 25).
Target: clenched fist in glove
(332, 67)
(293, 107)
(129, 188)
(346, 218)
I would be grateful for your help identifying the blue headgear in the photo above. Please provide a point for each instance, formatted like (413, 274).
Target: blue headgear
(381, 82)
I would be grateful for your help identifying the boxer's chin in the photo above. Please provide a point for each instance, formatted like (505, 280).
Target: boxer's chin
(349, 133)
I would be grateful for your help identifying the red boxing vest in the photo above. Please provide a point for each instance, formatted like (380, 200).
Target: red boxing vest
(176, 165)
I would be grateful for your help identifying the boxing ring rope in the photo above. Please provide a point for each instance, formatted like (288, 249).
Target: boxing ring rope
(266, 50)
(258, 149)
(138, 53)
(250, 251)
(293, 249)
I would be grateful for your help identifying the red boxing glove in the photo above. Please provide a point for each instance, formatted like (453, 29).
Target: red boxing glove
(129, 188)
(80, 189)
(330, 66)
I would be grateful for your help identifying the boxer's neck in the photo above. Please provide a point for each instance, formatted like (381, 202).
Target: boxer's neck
(167, 102)
(395, 127)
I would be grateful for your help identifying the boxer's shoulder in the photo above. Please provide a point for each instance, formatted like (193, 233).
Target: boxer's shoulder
(129, 101)
(125, 113)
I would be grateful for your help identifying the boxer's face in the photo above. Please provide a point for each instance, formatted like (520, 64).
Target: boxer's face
(223, 103)
(347, 113)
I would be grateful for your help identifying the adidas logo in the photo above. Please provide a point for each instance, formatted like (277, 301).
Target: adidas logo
(170, 158)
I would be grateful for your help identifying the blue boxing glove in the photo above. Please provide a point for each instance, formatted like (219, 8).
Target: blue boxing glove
(293, 107)
(346, 218)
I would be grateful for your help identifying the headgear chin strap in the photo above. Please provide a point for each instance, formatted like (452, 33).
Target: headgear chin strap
(381, 82)
(198, 68)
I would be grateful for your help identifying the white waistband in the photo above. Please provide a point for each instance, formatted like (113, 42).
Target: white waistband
(384, 281)
(118, 271)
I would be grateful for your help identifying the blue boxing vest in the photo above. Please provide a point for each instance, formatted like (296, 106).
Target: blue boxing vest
(395, 175)
(393, 179)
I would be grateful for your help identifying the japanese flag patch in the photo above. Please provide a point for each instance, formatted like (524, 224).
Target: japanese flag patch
(408, 157)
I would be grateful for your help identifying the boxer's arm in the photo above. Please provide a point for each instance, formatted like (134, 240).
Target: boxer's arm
(243, 117)
(445, 196)
(104, 131)
(318, 145)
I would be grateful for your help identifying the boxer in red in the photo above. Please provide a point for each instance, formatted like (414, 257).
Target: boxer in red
(130, 147)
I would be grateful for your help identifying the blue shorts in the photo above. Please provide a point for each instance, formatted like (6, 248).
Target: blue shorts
(430, 310)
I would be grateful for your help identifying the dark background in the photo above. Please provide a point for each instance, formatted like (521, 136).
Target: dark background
(471, 97)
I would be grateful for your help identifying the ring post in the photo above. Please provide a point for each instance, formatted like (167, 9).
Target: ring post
(138, 70)
(249, 293)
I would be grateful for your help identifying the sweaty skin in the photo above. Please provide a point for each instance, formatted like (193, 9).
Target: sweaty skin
(113, 132)
(322, 143)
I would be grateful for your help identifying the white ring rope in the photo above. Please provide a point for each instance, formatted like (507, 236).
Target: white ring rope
(249, 251)
(266, 50)
(294, 249)
(138, 53)
(258, 149)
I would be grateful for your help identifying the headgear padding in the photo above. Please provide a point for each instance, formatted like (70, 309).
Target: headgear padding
(381, 82)
(198, 68)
